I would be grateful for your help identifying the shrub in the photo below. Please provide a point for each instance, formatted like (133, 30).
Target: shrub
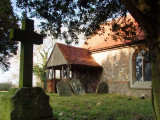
(5, 86)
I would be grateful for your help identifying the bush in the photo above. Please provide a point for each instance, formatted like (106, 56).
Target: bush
(5, 86)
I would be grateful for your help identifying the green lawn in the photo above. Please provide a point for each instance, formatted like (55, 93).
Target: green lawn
(100, 107)
(2, 93)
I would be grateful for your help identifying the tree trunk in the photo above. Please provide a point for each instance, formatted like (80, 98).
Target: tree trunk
(156, 69)
(156, 73)
(151, 24)
(156, 86)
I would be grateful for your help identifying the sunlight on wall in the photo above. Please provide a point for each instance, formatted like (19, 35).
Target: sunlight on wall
(110, 55)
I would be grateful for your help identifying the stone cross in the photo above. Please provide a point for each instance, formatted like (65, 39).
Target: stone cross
(27, 37)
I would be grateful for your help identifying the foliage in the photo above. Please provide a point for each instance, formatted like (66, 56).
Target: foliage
(2, 93)
(6, 86)
(8, 20)
(67, 19)
(78, 16)
(100, 107)
(39, 70)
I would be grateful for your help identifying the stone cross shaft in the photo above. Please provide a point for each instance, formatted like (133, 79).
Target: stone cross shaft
(27, 37)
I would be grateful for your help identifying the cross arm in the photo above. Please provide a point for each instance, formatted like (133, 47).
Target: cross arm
(22, 35)
(16, 34)
(37, 39)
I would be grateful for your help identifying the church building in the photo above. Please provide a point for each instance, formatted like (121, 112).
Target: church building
(123, 64)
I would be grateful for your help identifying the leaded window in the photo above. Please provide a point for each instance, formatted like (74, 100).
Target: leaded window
(148, 65)
(143, 66)
(139, 64)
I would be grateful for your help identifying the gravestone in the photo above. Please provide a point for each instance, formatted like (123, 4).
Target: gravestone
(64, 89)
(77, 86)
(102, 88)
(26, 102)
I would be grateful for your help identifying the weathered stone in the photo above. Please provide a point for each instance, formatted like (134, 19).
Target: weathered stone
(25, 104)
(28, 37)
(102, 87)
(142, 97)
(129, 98)
(64, 89)
(77, 86)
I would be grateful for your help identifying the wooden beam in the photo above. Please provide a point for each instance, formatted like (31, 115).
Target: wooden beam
(52, 72)
(62, 71)
(48, 73)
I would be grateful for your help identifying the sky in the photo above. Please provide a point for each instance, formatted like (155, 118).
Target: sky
(13, 74)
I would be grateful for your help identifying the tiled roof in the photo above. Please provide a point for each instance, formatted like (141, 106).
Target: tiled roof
(75, 55)
(103, 39)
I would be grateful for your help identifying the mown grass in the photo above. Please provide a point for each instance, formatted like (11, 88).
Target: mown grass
(2, 93)
(100, 107)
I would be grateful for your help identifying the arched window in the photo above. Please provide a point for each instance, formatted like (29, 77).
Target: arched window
(143, 66)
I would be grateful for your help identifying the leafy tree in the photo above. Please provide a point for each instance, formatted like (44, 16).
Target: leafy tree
(8, 20)
(78, 16)
(41, 54)
(86, 16)
(39, 70)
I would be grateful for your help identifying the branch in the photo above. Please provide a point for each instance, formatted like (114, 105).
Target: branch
(136, 12)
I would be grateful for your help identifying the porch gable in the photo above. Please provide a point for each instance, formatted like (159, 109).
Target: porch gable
(56, 58)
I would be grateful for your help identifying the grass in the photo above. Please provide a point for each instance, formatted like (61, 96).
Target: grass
(100, 107)
(2, 93)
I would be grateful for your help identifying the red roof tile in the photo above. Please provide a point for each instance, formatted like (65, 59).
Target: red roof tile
(103, 40)
(75, 55)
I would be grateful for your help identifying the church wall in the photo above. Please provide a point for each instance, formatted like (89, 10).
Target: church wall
(117, 71)
(115, 64)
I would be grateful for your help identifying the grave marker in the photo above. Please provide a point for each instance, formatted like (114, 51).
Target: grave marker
(26, 102)
(64, 89)
(102, 88)
(77, 86)
(27, 37)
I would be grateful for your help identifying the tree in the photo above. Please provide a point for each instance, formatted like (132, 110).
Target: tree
(39, 70)
(40, 59)
(147, 14)
(8, 20)
(86, 16)
(65, 19)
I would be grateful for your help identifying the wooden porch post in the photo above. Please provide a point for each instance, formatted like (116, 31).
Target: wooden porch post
(52, 72)
(62, 72)
(68, 72)
(48, 73)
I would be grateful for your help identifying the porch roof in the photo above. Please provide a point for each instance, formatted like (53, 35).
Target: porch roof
(73, 56)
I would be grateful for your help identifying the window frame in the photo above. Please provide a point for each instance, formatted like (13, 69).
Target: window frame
(138, 84)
